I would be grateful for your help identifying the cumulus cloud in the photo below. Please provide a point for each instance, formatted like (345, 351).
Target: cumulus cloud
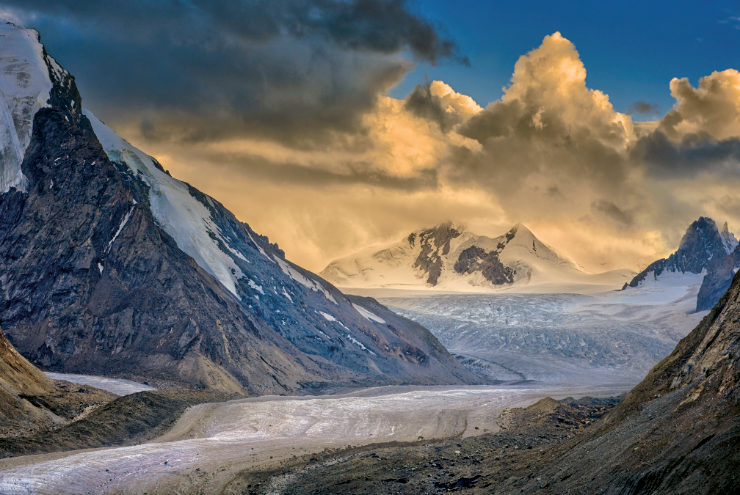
(437, 101)
(712, 108)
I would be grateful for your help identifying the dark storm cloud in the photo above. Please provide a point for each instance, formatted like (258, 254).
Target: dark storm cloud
(284, 69)
(644, 108)
(692, 155)
(357, 173)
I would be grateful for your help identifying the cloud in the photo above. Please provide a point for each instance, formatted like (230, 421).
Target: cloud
(692, 155)
(255, 100)
(200, 70)
(552, 153)
(437, 101)
(712, 108)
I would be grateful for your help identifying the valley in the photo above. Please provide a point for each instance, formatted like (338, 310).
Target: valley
(210, 443)
(152, 341)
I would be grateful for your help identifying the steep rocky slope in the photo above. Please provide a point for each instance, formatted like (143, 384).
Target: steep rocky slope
(18, 377)
(449, 257)
(706, 256)
(108, 265)
(30, 401)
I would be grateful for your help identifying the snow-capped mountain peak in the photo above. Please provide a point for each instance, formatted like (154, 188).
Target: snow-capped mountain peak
(706, 260)
(449, 257)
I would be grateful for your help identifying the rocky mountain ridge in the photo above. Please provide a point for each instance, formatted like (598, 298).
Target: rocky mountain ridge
(111, 266)
(713, 255)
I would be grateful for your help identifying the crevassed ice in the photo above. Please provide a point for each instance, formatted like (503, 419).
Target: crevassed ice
(24, 89)
(181, 215)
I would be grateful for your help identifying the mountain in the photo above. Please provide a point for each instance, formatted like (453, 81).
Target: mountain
(109, 265)
(448, 257)
(31, 401)
(706, 257)
(18, 377)
(678, 431)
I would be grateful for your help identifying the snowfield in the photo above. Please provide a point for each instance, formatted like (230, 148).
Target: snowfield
(212, 442)
(116, 386)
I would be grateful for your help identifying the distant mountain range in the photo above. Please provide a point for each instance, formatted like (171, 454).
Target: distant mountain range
(108, 265)
(448, 257)
(706, 255)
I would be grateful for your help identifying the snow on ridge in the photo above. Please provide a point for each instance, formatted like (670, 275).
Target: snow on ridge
(176, 211)
(303, 280)
(24, 89)
(327, 316)
(120, 228)
(368, 315)
(254, 285)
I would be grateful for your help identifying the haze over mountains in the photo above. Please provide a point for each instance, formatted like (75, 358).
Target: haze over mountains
(111, 266)
(447, 257)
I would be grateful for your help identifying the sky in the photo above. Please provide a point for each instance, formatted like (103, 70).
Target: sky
(331, 125)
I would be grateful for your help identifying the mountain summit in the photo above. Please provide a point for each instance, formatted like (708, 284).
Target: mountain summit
(108, 265)
(451, 258)
(706, 257)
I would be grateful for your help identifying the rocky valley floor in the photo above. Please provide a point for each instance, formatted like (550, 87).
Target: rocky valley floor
(528, 436)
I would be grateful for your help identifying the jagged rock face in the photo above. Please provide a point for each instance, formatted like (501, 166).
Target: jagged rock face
(717, 280)
(703, 247)
(434, 244)
(675, 432)
(475, 259)
(110, 266)
(701, 244)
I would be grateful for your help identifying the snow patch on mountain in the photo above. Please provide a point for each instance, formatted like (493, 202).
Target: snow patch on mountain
(24, 89)
(303, 280)
(175, 209)
(369, 315)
